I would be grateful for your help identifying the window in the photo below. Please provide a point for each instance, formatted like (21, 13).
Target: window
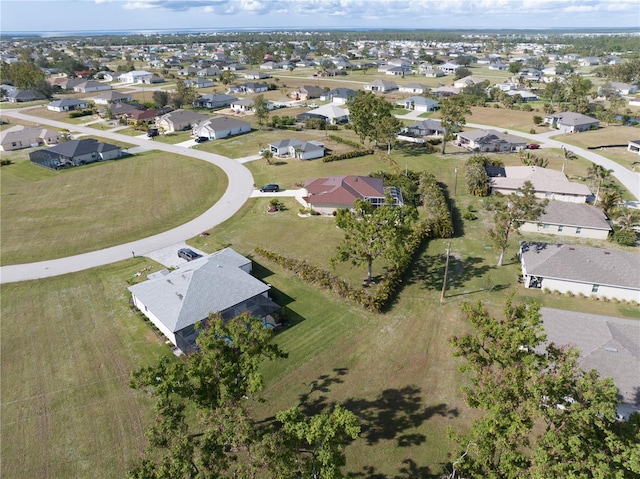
(595, 288)
(578, 230)
(545, 227)
(548, 194)
(560, 228)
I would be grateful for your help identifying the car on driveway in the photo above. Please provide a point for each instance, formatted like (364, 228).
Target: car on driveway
(201, 139)
(270, 188)
(533, 146)
(151, 132)
(188, 254)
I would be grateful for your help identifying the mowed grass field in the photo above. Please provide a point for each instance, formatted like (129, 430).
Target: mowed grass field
(51, 214)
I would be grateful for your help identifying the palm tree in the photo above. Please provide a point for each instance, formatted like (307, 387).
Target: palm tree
(267, 155)
(598, 173)
(610, 201)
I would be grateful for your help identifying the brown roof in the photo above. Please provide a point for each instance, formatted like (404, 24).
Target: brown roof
(343, 190)
(143, 114)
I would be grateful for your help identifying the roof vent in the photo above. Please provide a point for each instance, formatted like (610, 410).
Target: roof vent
(607, 252)
(572, 249)
(611, 350)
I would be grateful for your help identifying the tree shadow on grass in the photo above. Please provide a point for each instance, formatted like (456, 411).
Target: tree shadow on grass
(410, 470)
(322, 385)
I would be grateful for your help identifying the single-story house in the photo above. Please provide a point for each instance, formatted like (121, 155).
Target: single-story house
(424, 128)
(220, 283)
(136, 76)
(607, 344)
(445, 91)
(467, 81)
(179, 120)
(255, 75)
(547, 183)
(326, 195)
(142, 115)
(525, 95)
(306, 92)
(570, 122)
(19, 96)
(490, 140)
(331, 112)
(598, 272)
(242, 105)
(381, 86)
(199, 82)
(90, 86)
(66, 104)
(634, 146)
(221, 127)
(339, 96)
(19, 136)
(250, 87)
(209, 71)
(215, 100)
(111, 97)
(416, 88)
(117, 110)
(419, 103)
(570, 219)
(448, 68)
(294, 148)
(75, 153)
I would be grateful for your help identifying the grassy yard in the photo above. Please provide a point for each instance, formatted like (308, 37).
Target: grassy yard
(47, 214)
(608, 135)
(506, 118)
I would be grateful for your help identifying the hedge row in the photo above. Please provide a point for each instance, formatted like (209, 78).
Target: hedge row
(339, 139)
(347, 155)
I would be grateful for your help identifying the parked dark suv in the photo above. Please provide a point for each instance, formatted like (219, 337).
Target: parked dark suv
(270, 188)
(201, 139)
(151, 132)
(188, 254)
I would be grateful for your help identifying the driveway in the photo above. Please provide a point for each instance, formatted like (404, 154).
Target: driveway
(238, 191)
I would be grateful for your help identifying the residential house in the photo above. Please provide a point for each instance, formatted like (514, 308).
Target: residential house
(66, 104)
(75, 153)
(331, 113)
(255, 75)
(326, 195)
(419, 103)
(111, 97)
(588, 61)
(526, 96)
(306, 92)
(215, 100)
(146, 116)
(19, 136)
(190, 70)
(444, 91)
(429, 71)
(570, 219)
(294, 148)
(381, 86)
(469, 80)
(250, 87)
(242, 105)
(547, 183)
(448, 68)
(415, 88)
(339, 96)
(490, 140)
(117, 110)
(199, 83)
(498, 65)
(624, 88)
(634, 146)
(581, 270)
(220, 283)
(91, 86)
(136, 76)
(179, 120)
(221, 127)
(570, 122)
(424, 128)
(20, 96)
(209, 71)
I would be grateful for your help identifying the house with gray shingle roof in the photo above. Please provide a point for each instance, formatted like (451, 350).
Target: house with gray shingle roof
(111, 96)
(575, 269)
(380, 86)
(490, 140)
(419, 103)
(294, 148)
(570, 219)
(547, 183)
(221, 127)
(19, 136)
(220, 283)
(75, 153)
(424, 128)
(570, 122)
(66, 104)
(179, 120)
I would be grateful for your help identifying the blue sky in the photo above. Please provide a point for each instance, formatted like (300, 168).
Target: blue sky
(82, 15)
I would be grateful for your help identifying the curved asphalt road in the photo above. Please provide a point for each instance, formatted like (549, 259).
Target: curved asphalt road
(239, 190)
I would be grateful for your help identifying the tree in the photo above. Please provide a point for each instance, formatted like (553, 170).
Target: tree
(185, 94)
(261, 110)
(371, 232)
(538, 120)
(462, 72)
(25, 75)
(598, 174)
(475, 174)
(625, 222)
(529, 159)
(372, 119)
(226, 77)
(452, 111)
(515, 67)
(267, 154)
(520, 208)
(160, 98)
(542, 415)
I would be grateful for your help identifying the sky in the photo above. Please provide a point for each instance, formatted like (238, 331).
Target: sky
(99, 15)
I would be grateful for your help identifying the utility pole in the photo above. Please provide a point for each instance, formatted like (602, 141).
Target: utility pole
(455, 181)
(446, 272)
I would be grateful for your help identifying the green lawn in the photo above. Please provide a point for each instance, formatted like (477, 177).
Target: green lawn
(67, 411)
(47, 214)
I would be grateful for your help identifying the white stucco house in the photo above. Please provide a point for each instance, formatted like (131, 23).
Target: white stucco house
(634, 146)
(570, 122)
(220, 283)
(575, 269)
(294, 148)
(570, 219)
(136, 76)
(221, 127)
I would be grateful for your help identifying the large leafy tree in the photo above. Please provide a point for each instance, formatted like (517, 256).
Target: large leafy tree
(371, 232)
(475, 174)
(25, 74)
(510, 215)
(453, 111)
(372, 119)
(542, 415)
(203, 427)
(160, 98)
(261, 110)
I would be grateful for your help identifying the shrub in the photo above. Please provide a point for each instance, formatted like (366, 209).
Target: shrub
(347, 155)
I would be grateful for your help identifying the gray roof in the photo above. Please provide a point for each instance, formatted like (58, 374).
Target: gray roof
(582, 264)
(572, 119)
(543, 180)
(304, 146)
(491, 136)
(67, 102)
(210, 284)
(609, 345)
(184, 116)
(574, 214)
(73, 148)
(19, 133)
(218, 123)
(428, 124)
